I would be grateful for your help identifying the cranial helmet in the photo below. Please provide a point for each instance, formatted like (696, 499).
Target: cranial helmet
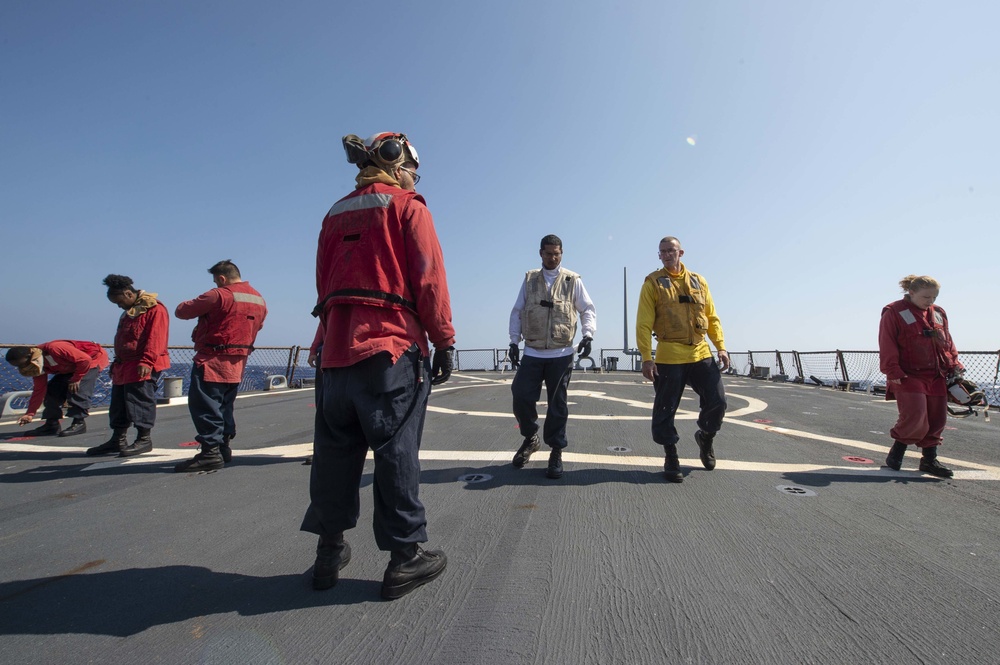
(967, 394)
(385, 150)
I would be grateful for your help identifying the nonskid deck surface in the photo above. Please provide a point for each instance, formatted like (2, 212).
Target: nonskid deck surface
(798, 547)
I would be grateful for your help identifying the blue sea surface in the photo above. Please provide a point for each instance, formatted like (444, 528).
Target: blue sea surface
(254, 378)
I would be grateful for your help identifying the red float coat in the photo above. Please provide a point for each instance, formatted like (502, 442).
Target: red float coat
(141, 340)
(915, 346)
(64, 356)
(380, 277)
(229, 318)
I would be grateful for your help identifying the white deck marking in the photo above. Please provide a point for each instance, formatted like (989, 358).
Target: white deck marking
(754, 405)
(975, 470)
(502, 457)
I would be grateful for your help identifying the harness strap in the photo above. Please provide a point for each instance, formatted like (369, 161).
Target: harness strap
(365, 293)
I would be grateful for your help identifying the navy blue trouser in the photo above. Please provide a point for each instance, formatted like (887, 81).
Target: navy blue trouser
(134, 404)
(705, 379)
(378, 405)
(211, 406)
(57, 392)
(526, 388)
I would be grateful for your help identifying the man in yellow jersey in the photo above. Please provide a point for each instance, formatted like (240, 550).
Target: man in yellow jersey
(676, 307)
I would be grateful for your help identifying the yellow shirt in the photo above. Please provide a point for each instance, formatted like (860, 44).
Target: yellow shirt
(674, 353)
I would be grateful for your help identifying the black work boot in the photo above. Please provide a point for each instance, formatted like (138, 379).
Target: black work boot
(49, 428)
(114, 445)
(209, 459)
(672, 465)
(225, 450)
(930, 464)
(78, 426)
(704, 440)
(555, 469)
(895, 458)
(143, 444)
(410, 568)
(331, 557)
(523, 454)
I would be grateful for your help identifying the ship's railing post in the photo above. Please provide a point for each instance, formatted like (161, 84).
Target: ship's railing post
(293, 362)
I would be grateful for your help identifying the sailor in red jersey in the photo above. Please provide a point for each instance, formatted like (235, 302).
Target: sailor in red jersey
(917, 356)
(383, 294)
(74, 366)
(140, 357)
(229, 318)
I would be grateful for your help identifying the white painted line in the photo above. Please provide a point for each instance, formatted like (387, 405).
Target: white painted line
(502, 457)
(851, 443)
(754, 405)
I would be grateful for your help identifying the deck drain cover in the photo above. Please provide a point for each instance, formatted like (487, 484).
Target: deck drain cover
(475, 478)
(859, 460)
(795, 491)
(619, 449)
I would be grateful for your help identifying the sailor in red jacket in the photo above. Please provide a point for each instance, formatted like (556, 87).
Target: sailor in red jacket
(140, 356)
(74, 366)
(382, 295)
(917, 356)
(229, 318)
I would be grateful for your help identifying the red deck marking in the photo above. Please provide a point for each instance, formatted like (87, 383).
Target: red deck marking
(190, 444)
(859, 460)
(761, 420)
(21, 438)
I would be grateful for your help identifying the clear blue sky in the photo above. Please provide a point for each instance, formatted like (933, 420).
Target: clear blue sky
(838, 146)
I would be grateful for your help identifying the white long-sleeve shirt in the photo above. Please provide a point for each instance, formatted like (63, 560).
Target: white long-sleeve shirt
(581, 302)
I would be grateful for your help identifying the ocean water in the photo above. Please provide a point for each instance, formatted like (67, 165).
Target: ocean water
(254, 378)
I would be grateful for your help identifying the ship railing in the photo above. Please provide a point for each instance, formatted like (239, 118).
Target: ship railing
(842, 369)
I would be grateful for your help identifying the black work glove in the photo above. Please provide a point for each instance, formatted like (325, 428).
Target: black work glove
(584, 348)
(515, 356)
(441, 366)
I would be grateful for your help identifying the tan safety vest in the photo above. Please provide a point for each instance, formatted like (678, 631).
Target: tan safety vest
(548, 320)
(680, 308)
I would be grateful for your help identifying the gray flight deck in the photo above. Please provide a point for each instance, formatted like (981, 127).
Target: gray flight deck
(799, 548)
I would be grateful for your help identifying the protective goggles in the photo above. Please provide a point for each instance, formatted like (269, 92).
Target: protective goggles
(385, 149)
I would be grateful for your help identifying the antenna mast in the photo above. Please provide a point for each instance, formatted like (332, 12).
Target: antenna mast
(625, 304)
